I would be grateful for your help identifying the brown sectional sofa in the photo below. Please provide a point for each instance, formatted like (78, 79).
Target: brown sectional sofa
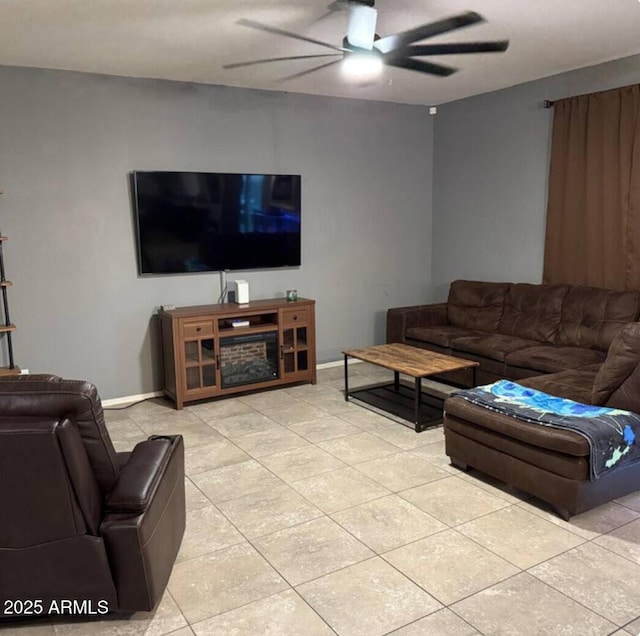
(518, 330)
(580, 343)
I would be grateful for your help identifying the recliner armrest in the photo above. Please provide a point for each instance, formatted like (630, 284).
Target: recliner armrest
(145, 522)
(399, 319)
(139, 477)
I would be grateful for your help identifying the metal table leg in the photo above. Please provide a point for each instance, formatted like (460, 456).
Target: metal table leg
(346, 379)
(417, 400)
(396, 380)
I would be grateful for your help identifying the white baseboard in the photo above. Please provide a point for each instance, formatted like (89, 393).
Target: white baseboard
(337, 363)
(128, 399)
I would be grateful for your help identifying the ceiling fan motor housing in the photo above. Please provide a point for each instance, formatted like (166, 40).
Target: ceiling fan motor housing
(347, 45)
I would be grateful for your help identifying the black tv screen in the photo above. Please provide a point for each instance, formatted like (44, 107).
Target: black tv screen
(207, 222)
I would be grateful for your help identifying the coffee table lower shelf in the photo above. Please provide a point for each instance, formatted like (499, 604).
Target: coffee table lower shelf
(412, 404)
(400, 400)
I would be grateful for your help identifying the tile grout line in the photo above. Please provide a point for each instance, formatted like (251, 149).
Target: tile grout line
(311, 444)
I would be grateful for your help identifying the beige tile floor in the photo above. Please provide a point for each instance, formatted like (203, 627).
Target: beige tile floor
(309, 515)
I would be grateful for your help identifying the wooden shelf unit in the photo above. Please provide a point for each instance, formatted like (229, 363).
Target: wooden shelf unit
(6, 327)
(205, 357)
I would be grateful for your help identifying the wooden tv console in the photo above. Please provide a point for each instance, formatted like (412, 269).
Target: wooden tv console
(205, 356)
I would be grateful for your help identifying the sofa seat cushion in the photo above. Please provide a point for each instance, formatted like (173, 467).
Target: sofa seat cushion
(476, 305)
(439, 335)
(493, 346)
(592, 317)
(429, 346)
(552, 359)
(573, 384)
(553, 439)
(533, 311)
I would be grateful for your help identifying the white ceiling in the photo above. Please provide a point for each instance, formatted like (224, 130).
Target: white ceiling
(190, 40)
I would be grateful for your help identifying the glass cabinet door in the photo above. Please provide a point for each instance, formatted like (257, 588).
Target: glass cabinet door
(294, 349)
(200, 363)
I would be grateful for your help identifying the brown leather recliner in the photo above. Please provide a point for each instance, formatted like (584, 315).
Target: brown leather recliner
(78, 521)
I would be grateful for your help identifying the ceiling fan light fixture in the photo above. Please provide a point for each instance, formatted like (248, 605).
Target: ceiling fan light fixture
(362, 65)
(362, 27)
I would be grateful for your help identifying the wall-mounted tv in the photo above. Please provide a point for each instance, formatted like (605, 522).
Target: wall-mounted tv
(208, 222)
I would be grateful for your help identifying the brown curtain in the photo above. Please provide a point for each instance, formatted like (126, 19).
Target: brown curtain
(593, 211)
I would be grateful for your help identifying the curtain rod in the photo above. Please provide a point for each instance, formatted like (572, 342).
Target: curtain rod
(548, 103)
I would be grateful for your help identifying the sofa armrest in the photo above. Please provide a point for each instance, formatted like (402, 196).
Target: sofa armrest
(399, 319)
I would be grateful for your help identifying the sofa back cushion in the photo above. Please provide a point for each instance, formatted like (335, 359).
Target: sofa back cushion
(533, 311)
(617, 383)
(476, 305)
(592, 317)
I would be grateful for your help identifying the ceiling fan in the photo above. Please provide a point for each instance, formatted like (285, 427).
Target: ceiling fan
(362, 48)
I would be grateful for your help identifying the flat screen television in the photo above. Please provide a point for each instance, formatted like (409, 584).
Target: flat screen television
(207, 222)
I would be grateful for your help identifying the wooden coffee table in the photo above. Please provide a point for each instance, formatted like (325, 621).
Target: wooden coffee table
(397, 397)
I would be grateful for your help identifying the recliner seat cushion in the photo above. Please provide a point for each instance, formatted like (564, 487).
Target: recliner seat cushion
(548, 359)
(592, 317)
(476, 305)
(533, 311)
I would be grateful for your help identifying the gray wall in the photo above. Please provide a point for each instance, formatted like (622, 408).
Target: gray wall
(69, 141)
(490, 176)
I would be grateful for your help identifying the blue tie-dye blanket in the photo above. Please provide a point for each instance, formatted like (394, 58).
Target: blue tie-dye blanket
(611, 433)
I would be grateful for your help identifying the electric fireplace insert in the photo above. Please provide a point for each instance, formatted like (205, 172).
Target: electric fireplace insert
(250, 358)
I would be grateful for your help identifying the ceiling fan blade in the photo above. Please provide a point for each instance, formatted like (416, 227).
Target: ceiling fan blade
(279, 59)
(400, 40)
(420, 65)
(288, 34)
(336, 5)
(324, 16)
(309, 70)
(452, 49)
(341, 5)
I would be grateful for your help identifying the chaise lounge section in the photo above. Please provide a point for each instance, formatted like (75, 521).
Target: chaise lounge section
(550, 463)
